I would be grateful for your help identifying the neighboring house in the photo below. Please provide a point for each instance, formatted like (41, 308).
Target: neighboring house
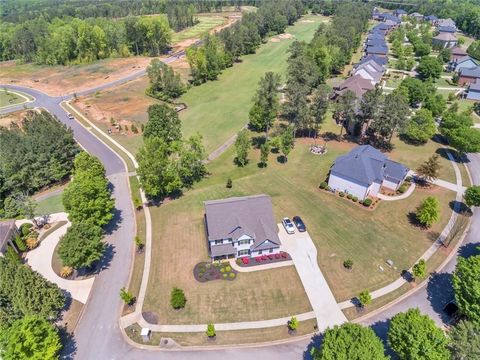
(381, 28)
(376, 50)
(446, 23)
(448, 29)
(445, 40)
(399, 13)
(468, 75)
(364, 170)
(474, 91)
(417, 16)
(369, 73)
(372, 65)
(376, 42)
(381, 60)
(241, 226)
(465, 62)
(392, 23)
(376, 35)
(432, 19)
(457, 53)
(8, 230)
(356, 84)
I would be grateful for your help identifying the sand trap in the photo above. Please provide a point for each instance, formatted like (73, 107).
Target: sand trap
(281, 37)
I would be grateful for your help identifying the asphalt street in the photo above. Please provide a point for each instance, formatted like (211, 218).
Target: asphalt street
(98, 335)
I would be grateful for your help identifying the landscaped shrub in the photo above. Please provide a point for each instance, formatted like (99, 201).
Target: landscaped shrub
(323, 185)
(283, 254)
(355, 199)
(341, 193)
(408, 179)
(348, 264)
(246, 260)
(264, 257)
(210, 331)
(66, 271)
(367, 202)
(270, 257)
(222, 270)
(229, 183)
(228, 268)
(232, 275)
(277, 256)
(239, 261)
(31, 243)
(349, 196)
(20, 243)
(127, 297)
(402, 188)
(25, 229)
(177, 298)
(225, 276)
(293, 324)
(208, 266)
(12, 255)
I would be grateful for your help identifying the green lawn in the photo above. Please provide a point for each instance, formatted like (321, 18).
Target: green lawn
(219, 109)
(8, 98)
(50, 205)
(205, 24)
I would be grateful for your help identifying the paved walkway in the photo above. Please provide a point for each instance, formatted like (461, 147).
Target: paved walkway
(449, 185)
(224, 147)
(276, 265)
(304, 254)
(40, 259)
(405, 195)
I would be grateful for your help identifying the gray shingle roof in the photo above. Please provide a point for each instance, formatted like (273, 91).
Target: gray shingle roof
(449, 29)
(5, 228)
(475, 86)
(238, 216)
(445, 36)
(223, 250)
(365, 165)
(473, 72)
(382, 50)
(378, 59)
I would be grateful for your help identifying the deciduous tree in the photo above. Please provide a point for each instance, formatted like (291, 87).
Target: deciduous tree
(466, 283)
(465, 341)
(414, 336)
(164, 83)
(472, 195)
(429, 68)
(429, 211)
(430, 169)
(164, 123)
(420, 269)
(421, 127)
(242, 146)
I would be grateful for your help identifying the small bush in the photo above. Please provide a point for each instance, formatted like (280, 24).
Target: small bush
(349, 196)
(367, 202)
(210, 330)
(328, 188)
(25, 229)
(134, 129)
(402, 188)
(238, 261)
(31, 243)
(225, 276)
(177, 298)
(222, 270)
(66, 271)
(323, 185)
(20, 243)
(127, 297)
(348, 264)
(355, 199)
(228, 268)
(229, 183)
(232, 275)
(139, 243)
(408, 179)
(341, 194)
(12, 255)
(293, 323)
(208, 265)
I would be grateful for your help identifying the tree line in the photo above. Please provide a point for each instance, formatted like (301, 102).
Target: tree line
(218, 52)
(34, 155)
(71, 40)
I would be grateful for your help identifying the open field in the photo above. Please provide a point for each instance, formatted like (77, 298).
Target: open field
(340, 229)
(225, 337)
(50, 205)
(206, 23)
(217, 109)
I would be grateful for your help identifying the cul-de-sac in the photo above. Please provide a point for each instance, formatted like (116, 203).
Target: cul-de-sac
(214, 179)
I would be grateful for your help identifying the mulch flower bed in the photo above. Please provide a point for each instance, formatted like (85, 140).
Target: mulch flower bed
(206, 271)
(263, 259)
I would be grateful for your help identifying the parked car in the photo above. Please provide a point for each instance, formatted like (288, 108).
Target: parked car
(70, 116)
(297, 220)
(288, 225)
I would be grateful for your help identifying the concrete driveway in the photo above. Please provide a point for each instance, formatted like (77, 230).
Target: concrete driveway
(304, 255)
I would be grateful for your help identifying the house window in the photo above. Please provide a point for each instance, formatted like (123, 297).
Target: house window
(260, 252)
(243, 252)
(243, 242)
(217, 242)
(270, 251)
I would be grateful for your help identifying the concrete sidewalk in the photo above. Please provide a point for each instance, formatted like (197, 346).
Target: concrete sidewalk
(304, 254)
(40, 260)
(276, 265)
(405, 195)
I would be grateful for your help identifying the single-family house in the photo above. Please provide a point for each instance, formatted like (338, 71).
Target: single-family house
(376, 50)
(8, 231)
(381, 60)
(364, 171)
(370, 71)
(465, 62)
(417, 16)
(446, 22)
(457, 53)
(357, 84)
(375, 35)
(241, 226)
(432, 19)
(381, 28)
(468, 75)
(474, 91)
(445, 40)
(376, 42)
(399, 13)
(448, 29)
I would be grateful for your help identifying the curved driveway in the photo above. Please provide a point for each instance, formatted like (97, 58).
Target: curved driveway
(98, 335)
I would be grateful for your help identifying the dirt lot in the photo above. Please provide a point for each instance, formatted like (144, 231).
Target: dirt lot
(16, 117)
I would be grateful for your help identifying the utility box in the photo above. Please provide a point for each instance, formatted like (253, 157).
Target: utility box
(146, 334)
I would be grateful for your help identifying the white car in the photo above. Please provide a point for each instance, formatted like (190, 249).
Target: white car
(70, 116)
(288, 225)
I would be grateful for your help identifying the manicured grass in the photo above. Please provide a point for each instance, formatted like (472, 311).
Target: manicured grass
(205, 24)
(8, 98)
(225, 337)
(394, 79)
(340, 229)
(50, 205)
(442, 82)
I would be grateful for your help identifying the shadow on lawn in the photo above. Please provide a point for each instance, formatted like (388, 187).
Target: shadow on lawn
(460, 208)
